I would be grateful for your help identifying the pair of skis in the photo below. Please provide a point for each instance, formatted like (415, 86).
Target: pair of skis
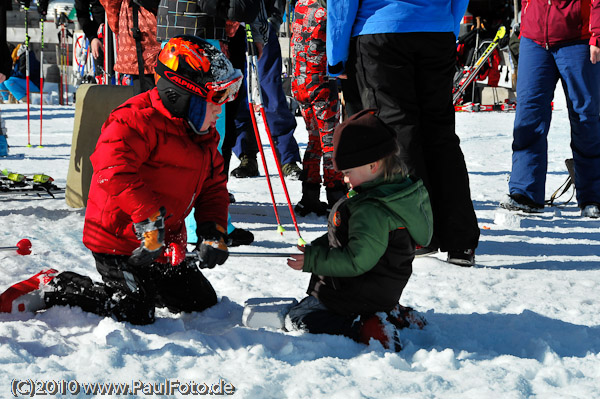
(255, 103)
(476, 107)
(63, 56)
(469, 73)
(16, 183)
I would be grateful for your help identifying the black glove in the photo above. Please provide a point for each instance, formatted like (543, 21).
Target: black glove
(25, 3)
(151, 232)
(212, 247)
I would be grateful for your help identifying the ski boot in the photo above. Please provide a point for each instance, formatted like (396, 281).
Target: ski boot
(310, 202)
(248, 167)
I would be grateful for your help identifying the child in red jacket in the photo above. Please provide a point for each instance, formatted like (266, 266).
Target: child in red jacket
(155, 160)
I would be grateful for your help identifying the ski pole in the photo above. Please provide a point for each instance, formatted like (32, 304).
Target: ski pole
(250, 80)
(264, 254)
(27, 72)
(65, 47)
(176, 254)
(23, 247)
(41, 77)
(254, 63)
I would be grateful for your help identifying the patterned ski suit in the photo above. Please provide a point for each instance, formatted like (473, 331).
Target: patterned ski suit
(316, 94)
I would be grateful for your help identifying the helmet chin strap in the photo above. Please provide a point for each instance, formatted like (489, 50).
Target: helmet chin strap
(196, 114)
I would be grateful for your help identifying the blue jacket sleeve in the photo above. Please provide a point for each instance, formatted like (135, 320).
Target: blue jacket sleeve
(340, 18)
(458, 11)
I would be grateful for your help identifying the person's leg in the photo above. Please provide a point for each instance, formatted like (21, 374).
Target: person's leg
(581, 82)
(311, 163)
(419, 109)
(352, 101)
(239, 132)
(127, 294)
(312, 316)
(536, 82)
(282, 122)
(326, 107)
(455, 222)
(4, 92)
(17, 87)
(184, 288)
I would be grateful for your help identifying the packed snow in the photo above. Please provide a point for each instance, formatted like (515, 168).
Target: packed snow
(522, 323)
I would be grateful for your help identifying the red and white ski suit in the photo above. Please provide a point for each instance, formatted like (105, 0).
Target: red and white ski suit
(316, 94)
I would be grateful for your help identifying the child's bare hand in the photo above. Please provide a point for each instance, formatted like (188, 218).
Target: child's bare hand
(296, 261)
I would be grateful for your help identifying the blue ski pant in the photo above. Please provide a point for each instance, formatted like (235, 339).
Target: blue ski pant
(539, 72)
(17, 87)
(282, 122)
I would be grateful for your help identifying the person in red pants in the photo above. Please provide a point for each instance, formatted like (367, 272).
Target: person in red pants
(318, 99)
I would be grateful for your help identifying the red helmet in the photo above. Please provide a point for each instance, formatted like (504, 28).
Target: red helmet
(198, 67)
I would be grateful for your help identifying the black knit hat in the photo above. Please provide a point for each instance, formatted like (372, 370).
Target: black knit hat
(361, 139)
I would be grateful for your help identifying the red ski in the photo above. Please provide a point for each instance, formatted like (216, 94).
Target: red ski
(26, 296)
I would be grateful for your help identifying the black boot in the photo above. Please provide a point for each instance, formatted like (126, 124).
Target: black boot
(248, 167)
(240, 237)
(310, 201)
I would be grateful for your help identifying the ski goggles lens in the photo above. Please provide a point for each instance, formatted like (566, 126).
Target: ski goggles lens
(222, 92)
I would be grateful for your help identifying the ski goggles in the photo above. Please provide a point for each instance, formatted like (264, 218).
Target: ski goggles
(222, 92)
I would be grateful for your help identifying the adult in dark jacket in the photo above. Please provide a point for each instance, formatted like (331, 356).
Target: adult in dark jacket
(361, 266)
(559, 40)
(157, 158)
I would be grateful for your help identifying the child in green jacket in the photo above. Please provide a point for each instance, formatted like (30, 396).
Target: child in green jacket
(361, 266)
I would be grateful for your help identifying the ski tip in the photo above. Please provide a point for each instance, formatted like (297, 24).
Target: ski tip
(280, 229)
(301, 242)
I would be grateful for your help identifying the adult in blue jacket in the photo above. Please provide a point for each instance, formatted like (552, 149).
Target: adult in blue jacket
(405, 69)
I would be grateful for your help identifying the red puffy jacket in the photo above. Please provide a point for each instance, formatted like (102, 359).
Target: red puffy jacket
(552, 22)
(145, 158)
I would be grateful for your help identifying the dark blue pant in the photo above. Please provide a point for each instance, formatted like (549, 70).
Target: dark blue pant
(539, 71)
(282, 122)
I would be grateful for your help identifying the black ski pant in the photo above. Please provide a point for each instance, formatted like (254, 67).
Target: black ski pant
(312, 316)
(408, 78)
(131, 293)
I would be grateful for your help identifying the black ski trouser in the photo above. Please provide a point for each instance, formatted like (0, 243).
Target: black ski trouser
(408, 78)
(312, 316)
(131, 294)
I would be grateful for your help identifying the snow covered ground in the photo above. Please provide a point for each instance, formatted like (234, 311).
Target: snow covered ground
(523, 323)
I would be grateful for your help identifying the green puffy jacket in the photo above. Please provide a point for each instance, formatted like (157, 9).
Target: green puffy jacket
(365, 260)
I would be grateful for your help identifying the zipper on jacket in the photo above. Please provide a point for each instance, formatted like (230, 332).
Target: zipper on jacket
(546, 27)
